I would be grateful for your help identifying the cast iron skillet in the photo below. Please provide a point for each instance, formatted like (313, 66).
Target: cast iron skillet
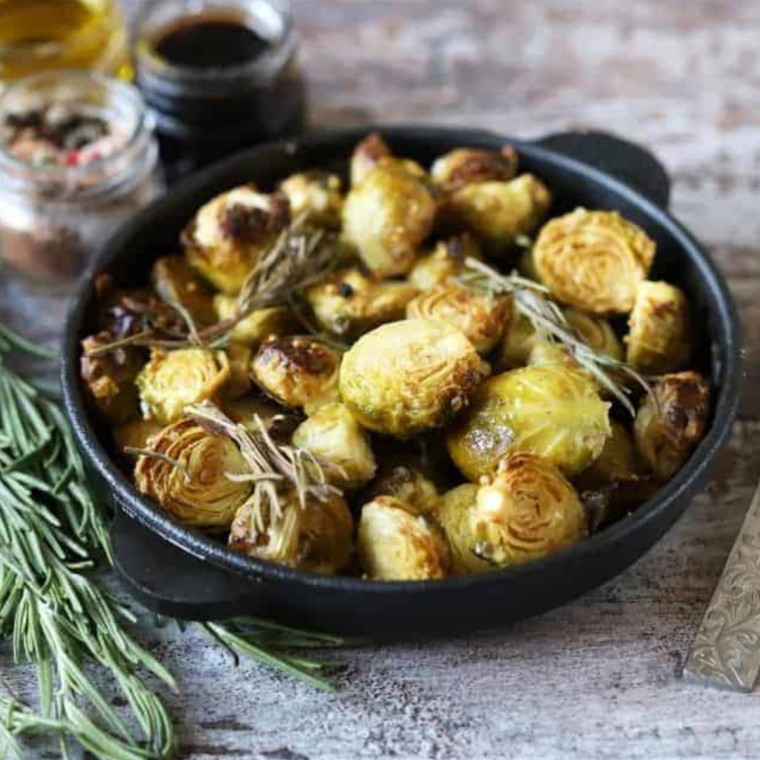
(179, 572)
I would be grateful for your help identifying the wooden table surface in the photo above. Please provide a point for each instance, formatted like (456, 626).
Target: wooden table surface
(598, 678)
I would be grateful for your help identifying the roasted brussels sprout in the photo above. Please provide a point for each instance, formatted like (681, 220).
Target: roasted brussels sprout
(445, 263)
(659, 338)
(230, 233)
(198, 491)
(480, 316)
(297, 371)
(520, 337)
(315, 537)
(499, 212)
(173, 379)
(526, 512)
(405, 482)
(135, 434)
(593, 260)
(316, 193)
(387, 217)
(552, 412)
(469, 166)
(177, 283)
(406, 377)
(332, 434)
(597, 333)
(453, 512)
(395, 544)
(617, 462)
(259, 325)
(670, 424)
(366, 155)
(348, 304)
(109, 377)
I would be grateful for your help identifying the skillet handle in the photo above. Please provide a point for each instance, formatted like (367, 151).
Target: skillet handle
(171, 582)
(624, 160)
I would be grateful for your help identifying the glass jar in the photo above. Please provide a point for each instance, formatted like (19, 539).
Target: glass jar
(54, 217)
(210, 100)
(37, 35)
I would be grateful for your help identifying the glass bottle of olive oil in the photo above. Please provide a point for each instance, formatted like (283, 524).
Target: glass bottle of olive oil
(51, 34)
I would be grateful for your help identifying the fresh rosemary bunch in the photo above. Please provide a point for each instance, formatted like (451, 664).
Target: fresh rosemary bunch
(58, 618)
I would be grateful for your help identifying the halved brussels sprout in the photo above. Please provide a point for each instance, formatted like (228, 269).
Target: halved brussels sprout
(395, 544)
(469, 166)
(406, 377)
(259, 325)
(499, 212)
(316, 193)
(109, 378)
(593, 260)
(481, 317)
(176, 282)
(316, 537)
(595, 332)
(445, 263)
(135, 434)
(405, 482)
(520, 337)
(366, 155)
(172, 380)
(332, 434)
(659, 338)
(297, 371)
(552, 412)
(453, 512)
(526, 512)
(198, 493)
(348, 304)
(670, 425)
(387, 217)
(230, 233)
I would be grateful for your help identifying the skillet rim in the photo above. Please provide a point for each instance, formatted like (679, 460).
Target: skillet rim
(682, 487)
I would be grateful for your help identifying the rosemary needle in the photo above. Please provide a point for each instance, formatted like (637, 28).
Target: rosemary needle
(57, 617)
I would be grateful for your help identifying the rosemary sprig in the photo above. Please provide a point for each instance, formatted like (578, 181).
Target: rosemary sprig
(274, 467)
(532, 300)
(58, 618)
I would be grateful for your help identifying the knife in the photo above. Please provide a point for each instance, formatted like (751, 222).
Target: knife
(726, 649)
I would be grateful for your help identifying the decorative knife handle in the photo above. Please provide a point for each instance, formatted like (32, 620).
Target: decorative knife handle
(726, 650)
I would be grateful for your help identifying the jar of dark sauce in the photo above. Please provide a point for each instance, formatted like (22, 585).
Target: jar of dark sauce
(218, 76)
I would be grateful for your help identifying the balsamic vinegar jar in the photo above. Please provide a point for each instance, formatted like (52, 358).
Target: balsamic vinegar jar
(219, 76)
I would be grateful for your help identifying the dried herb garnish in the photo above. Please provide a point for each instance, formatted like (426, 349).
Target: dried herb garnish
(532, 300)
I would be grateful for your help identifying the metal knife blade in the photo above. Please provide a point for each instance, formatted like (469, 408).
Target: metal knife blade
(726, 649)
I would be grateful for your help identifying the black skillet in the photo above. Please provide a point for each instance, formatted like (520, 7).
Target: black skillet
(179, 572)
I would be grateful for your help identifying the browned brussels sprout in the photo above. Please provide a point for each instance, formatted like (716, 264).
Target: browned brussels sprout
(672, 421)
(406, 482)
(593, 260)
(317, 194)
(347, 303)
(259, 325)
(315, 537)
(407, 377)
(445, 263)
(297, 371)
(396, 544)
(552, 412)
(190, 479)
(366, 155)
(172, 380)
(527, 511)
(469, 166)
(659, 337)
(231, 232)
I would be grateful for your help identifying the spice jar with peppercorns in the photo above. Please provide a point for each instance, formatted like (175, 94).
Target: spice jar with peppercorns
(77, 158)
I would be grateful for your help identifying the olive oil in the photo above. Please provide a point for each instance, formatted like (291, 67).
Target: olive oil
(51, 34)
